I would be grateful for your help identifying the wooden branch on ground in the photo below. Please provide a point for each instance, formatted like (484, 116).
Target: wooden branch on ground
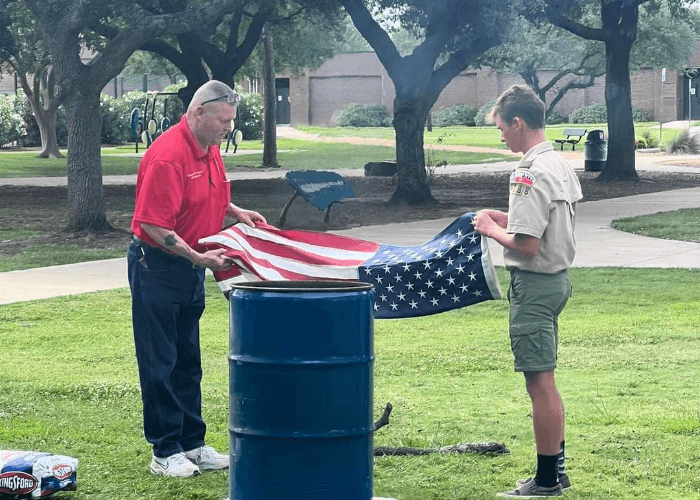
(384, 420)
(478, 448)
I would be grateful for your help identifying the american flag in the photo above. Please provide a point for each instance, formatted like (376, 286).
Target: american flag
(451, 270)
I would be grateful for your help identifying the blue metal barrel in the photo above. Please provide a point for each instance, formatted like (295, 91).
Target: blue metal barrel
(300, 358)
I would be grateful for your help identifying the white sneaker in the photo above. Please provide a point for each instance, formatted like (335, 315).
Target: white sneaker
(176, 465)
(207, 458)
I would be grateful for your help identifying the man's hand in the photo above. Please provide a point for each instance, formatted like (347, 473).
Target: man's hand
(214, 260)
(248, 217)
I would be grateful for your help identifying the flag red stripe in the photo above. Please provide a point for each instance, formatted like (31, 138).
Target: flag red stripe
(290, 250)
(273, 254)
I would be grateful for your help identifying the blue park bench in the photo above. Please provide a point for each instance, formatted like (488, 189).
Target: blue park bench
(318, 187)
(573, 137)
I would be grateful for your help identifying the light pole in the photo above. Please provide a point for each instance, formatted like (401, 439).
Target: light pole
(690, 100)
(661, 112)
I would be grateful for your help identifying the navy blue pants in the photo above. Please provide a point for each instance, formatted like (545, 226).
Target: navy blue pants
(167, 301)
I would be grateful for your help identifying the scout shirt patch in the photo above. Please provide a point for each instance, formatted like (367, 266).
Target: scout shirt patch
(521, 182)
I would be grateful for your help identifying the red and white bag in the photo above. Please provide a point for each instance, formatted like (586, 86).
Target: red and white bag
(31, 474)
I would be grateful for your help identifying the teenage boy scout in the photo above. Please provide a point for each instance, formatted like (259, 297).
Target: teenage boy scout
(537, 234)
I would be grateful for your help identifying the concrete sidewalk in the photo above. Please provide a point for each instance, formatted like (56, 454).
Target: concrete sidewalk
(598, 246)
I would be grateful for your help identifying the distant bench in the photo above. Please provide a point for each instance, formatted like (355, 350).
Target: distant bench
(318, 187)
(573, 137)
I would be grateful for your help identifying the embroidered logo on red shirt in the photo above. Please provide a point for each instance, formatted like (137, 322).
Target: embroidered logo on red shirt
(195, 175)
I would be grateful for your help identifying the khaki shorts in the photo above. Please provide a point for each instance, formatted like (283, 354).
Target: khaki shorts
(535, 303)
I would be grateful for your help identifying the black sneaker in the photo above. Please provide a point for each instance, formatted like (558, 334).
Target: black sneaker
(531, 490)
(563, 480)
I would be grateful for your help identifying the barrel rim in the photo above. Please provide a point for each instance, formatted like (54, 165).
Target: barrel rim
(310, 286)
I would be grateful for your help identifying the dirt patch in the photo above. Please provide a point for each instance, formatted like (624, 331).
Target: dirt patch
(43, 209)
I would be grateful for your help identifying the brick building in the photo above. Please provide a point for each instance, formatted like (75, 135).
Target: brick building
(317, 97)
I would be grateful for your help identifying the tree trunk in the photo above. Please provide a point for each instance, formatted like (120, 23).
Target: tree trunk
(193, 69)
(86, 200)
(409, 120)
(270, 104)
(46, 120)
(619, 20)
(620, 165)
(44, 113)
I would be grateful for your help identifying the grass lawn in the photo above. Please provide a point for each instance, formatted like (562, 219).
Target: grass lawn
(34, 256)
(480, 136)
(293, 154)
(681, 224)
(298, 154)
(628, 375)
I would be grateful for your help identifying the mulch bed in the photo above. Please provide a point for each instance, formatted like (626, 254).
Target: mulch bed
(44, 208)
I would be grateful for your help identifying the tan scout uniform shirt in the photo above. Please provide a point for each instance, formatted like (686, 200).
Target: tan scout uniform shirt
(543, 193)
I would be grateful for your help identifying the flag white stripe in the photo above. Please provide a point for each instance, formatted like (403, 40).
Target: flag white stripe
(272, 237)
(266, 262)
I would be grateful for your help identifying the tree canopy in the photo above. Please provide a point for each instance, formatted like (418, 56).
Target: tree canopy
(531, 48)
(617, 26)
(452, 34)
(23, 53)
(65, 27)
(307, 31)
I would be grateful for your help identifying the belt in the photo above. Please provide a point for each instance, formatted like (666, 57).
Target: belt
(139, 241)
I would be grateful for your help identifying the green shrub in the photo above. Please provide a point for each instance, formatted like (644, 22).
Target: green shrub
(480, 117)
(364, 115)
(598, 113)
(116, 112)
(250, 115)
(116, 121)
(647, 141)
(459, 114)
(684, 143)
(31, 136)
(11, 125)
(639, 115)
(555, 117)
(595, 113)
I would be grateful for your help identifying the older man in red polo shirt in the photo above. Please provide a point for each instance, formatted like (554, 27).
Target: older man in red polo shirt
(182, 195)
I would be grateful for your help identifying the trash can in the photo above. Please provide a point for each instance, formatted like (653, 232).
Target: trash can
(595, 151)
(301, 362)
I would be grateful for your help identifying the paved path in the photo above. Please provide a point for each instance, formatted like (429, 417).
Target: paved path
(598, 243)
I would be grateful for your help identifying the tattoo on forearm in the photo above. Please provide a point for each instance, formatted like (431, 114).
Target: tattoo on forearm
(170, 240)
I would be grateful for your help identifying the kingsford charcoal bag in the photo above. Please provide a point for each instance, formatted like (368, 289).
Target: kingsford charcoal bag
(31, 474)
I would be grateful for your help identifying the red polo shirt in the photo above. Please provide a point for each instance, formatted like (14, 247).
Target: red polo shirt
(181, 187)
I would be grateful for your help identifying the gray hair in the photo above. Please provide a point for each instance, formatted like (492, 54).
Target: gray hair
(213, 90)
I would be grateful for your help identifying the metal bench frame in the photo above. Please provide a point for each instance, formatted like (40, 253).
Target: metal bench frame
(573, 137)
(339, 193)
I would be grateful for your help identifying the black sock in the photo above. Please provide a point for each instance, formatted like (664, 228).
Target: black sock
(546, 471)
(560, 460)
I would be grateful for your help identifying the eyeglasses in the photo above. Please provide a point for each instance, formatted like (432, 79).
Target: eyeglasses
(231, 99)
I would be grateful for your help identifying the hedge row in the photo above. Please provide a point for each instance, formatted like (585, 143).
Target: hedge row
(18, 126)
(364, 115)
(598, 113)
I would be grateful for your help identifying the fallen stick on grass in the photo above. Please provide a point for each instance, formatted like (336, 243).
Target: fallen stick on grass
(478, 448)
